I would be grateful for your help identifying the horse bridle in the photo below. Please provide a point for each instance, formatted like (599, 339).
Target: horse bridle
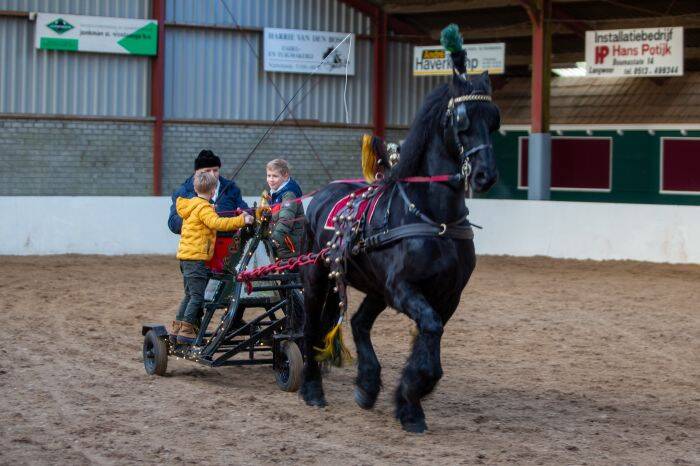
(456, 114)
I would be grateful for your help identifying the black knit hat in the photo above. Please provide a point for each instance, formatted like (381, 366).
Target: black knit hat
(206, 159)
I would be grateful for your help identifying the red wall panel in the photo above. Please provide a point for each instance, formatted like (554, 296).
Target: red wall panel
(680, 165)
(577, 163)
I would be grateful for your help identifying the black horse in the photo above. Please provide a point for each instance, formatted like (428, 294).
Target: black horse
(421, 276)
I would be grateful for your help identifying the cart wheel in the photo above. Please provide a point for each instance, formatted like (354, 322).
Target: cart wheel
(288, 375)
(155, 354)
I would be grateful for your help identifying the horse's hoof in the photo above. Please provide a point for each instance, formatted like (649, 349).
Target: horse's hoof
(415, 427)
(363, 400)
(318, 401)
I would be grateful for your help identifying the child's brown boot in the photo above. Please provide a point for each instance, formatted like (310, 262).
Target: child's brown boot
(175, 329)
(187, 334)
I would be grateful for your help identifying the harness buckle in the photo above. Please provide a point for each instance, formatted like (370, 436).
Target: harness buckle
(466, 169)
(443, 229)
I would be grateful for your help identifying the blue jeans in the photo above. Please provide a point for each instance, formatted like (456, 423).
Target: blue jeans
(195, 277)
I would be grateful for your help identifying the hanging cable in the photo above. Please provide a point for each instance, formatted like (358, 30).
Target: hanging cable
(345, 89)
(279, 94)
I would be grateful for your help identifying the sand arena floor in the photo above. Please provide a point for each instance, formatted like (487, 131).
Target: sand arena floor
(546, 362)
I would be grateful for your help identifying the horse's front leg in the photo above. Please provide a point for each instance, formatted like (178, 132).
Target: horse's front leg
(315, 282)
(423, 369)
(368, 381)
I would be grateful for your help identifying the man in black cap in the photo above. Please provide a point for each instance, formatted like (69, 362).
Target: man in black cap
(226, 200)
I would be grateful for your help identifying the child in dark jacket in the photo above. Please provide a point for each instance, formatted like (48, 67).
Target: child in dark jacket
(287, 210)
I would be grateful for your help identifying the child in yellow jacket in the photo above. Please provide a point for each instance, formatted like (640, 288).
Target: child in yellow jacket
(200, 223)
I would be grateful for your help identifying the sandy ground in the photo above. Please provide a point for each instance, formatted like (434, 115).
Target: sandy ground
(546, 362)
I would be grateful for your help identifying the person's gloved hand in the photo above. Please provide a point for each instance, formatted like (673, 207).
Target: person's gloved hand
(262, 211)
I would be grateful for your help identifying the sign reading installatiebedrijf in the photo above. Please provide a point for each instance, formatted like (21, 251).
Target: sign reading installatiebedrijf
(635, 52)
(96, 34)
(434, 60)
(300, 51)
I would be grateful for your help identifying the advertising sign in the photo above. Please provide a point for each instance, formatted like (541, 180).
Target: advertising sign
(300, 51)
(76, 33)
(435, 61)
(635, 52)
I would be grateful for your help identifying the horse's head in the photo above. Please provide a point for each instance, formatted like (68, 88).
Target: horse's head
(453, 127)
(469, 120)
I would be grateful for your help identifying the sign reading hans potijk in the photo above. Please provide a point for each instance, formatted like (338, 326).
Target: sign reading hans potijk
(434, 60)
(301, 51)
(77, 33)
(635, 52)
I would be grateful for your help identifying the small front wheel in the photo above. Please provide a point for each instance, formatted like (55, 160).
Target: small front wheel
(155, 354)
(291, 367)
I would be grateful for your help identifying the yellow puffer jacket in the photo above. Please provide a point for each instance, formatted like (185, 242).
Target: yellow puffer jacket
(200, 222)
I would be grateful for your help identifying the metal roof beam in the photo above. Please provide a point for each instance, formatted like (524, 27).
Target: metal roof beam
(561, 25)
(575, 25)
(432, 6)
(373, 11)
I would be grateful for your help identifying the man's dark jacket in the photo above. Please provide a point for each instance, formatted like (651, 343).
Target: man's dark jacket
(225, 204)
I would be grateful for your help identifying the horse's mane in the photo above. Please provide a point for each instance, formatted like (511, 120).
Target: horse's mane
(428, 121)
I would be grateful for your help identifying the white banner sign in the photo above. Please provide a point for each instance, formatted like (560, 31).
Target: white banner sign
(301, 51)
(76, 33)
(434, 60)
(635, 52)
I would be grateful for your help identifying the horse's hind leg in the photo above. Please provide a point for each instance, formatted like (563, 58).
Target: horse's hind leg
(368, 382)
(316, 286)
(423, 369)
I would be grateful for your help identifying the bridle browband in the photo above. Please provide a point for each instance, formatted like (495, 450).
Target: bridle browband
(468, 98)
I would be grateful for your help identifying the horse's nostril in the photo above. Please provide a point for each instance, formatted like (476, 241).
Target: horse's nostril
(480, 177)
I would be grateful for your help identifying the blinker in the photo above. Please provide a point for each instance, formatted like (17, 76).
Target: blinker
(461, 119)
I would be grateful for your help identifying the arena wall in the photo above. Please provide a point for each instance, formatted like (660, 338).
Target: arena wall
(574, 230)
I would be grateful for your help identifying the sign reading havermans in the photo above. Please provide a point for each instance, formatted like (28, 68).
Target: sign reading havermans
(77, 33)
(301, 51)
(434, 60)
(635, 52)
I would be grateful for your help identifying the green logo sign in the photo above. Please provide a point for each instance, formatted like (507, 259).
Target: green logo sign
(60, 25)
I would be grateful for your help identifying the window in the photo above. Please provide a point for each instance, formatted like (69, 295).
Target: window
(680, 166)
(578, 164)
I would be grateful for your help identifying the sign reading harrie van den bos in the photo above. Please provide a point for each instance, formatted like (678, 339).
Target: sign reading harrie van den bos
(635, 52)
(76, 33)
(434, 60)
(301, 51)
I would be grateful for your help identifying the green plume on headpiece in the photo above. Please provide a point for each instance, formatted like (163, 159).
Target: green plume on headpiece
(451, 39)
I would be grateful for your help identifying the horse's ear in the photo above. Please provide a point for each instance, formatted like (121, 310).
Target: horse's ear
(482, 82)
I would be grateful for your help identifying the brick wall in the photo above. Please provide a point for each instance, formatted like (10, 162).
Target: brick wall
(338, 148)
(74, 158)
(64, 158)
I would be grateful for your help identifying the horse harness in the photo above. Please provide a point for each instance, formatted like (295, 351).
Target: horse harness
(353, 235)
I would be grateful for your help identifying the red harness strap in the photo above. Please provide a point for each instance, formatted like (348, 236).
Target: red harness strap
(286, 265)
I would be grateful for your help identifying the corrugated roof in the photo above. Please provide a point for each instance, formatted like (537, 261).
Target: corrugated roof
(607, 100)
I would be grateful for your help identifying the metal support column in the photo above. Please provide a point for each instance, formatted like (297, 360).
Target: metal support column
(379, 76)
(540, 141)
(157, 79)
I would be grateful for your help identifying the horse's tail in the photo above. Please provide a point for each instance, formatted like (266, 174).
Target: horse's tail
(333, 351)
